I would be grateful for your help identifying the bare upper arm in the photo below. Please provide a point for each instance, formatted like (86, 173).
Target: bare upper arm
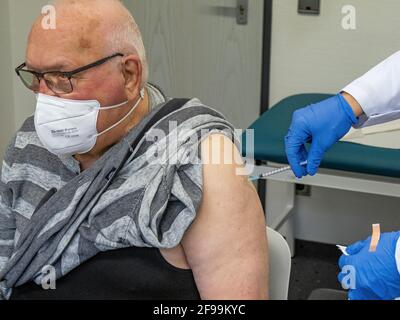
(226, 246)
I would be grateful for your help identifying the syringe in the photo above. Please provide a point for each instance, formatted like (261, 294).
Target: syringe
(275, 172)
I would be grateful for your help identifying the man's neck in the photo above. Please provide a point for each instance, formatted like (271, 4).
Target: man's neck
(88, 159)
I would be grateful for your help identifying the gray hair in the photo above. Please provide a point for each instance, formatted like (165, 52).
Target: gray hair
(126, 38)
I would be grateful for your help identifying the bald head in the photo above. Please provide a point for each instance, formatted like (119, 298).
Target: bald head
(89, 30)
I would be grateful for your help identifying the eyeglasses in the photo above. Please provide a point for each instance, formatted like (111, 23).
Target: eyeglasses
(57, 81)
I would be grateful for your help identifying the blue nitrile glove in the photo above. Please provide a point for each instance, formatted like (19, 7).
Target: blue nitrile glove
(377, 275)
(323, 124)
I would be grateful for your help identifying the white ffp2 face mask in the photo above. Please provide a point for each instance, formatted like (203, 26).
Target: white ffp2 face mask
(69, 127)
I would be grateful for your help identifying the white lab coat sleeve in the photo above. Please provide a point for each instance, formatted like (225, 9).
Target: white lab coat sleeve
(378, 92)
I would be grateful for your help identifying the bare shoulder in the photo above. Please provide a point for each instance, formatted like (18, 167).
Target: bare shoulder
(222, 159)
(226, 246)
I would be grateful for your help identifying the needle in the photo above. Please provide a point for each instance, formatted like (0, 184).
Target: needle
(275, 172)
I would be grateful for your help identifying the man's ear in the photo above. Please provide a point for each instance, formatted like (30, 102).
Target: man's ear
(132, 71)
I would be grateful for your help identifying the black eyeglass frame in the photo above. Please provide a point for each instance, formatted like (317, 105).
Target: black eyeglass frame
(66, 74)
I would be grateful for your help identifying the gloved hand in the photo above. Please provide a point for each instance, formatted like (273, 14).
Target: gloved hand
(377, 276)
(323, 124)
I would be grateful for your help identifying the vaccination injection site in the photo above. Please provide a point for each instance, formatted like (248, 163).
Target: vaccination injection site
(199, 150)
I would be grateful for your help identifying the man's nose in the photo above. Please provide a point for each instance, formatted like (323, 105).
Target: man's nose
(44, 89)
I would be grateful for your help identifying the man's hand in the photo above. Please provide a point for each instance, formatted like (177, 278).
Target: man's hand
(226, 246)
(322, 124)
(377, 275)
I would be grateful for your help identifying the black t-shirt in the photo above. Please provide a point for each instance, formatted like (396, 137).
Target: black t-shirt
(126, 274)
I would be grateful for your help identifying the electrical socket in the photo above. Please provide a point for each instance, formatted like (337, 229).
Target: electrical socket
(303, 190)
(309, 6)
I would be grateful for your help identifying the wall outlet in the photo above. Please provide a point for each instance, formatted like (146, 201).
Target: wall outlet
(303, 190)
(309, 6)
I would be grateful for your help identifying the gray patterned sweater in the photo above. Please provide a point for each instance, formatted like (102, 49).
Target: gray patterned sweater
(142, 195)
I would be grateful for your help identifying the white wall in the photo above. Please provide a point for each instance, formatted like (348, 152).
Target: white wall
(6, 82)
(195, 48)
(22, 15)
(17, 103)
(315, 54)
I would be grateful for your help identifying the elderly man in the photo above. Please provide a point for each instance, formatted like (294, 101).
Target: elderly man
(80, 201)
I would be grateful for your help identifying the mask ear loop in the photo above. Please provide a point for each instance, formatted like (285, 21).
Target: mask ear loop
(142, 95)
(123, 103)
(131, 150)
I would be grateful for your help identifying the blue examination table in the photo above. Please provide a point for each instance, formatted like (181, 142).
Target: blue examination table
(347, 166)
(270, 130)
